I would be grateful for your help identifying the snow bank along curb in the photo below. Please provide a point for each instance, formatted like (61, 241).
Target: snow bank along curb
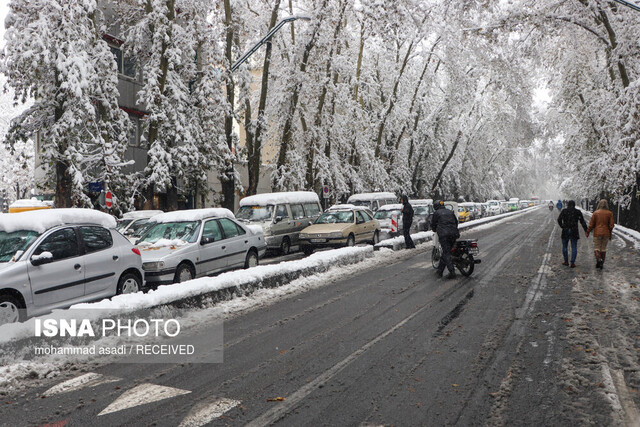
(425, 236)
(205, 291)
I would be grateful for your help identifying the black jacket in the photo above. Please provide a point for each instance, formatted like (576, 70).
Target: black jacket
(445, 223)
(407, 215)
(568, 221)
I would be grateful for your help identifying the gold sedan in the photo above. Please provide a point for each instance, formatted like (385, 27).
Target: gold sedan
(340, 227)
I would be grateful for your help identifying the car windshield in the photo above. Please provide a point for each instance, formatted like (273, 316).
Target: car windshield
(365, 203)
(422, 210)
(10, 243)
(386, 214)
(139, 227)
(186, 230)
(344, 217)
(461, 209)
(122, 224)
(255, 213)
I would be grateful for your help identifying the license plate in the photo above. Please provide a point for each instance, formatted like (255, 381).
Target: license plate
(318, 240)
(474, 251)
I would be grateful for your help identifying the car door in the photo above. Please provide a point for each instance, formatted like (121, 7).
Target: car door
(100, 260)
(234, 241)
(299, 221)
(61, 278)
(360, 227)
(369, 225)
(213, 257)
(283, 224)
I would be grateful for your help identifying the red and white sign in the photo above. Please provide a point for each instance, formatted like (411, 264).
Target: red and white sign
(108, 199)
(394, 222)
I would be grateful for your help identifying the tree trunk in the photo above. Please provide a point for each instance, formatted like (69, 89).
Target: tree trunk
(446, 162)
(255, 150)
(227, 177)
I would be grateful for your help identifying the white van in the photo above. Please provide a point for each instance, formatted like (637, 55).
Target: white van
(373, 201)
(281, 215)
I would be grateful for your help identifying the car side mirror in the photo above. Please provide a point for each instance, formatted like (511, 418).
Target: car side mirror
(310, 222)
(277, 219)
(43, 258)
(206, 240)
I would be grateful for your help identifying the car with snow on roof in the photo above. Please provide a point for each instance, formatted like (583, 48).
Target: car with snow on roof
(182, 245)
(385, 216)
(340, 226)
(133, 224)
(422, 213)
(373, 201)
(281, 215)
(56, 258)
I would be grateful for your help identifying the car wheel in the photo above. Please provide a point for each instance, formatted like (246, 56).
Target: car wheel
(308, 250)
(128, 284)
(376, 237)
(251, 260)
(11, 310)
(184, 272)
(285, 246)
(351, 241)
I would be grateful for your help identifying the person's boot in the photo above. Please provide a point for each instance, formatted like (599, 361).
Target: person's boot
(451, 275)
(598, 259)
(603, 255)
(438, 273)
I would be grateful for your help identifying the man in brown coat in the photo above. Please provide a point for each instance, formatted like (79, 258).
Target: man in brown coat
(601, 223)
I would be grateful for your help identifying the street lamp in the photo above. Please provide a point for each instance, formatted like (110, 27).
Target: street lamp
(267, 38)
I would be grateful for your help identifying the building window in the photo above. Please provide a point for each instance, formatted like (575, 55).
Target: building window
(126, 65)
(134, 136)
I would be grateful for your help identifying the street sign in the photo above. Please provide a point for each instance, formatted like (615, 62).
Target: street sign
(325, 192)
(108, 199)
(95, 187)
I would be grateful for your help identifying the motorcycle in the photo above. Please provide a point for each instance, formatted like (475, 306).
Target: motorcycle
(550, 207)
(462, 255)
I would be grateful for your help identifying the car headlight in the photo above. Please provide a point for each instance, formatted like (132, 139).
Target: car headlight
(336, 235)
(153, 266)
(303, 236)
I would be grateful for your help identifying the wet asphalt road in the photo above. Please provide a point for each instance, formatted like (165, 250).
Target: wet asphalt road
(393, 345)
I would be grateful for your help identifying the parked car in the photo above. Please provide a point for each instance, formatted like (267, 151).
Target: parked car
(385, 214)
(56, 258)
(423, 213)
(281, 215)
(373, 201)
(464, 214)
(493, 207)
(33, 204)
(472, 209)
(133, 224)
(340, 227)
(183, 245)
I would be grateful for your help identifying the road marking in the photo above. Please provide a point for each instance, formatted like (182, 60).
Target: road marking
(205, 412)
(277, 412)
(87, 380)
(142, 394)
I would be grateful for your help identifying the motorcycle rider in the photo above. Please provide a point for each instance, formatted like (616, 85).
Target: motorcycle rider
(550, 205)
(445, 223)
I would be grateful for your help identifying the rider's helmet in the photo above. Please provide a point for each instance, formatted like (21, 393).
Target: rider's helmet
(437, 204)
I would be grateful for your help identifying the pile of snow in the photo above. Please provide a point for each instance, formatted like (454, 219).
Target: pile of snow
(421, 202)
(371, 196)
(42, 220)
(347, 207)
(422, 236)
(193, 215)
(141, 214)
(284, 197)
(163, 243)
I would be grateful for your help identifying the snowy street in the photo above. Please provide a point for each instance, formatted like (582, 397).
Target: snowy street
(524, 340)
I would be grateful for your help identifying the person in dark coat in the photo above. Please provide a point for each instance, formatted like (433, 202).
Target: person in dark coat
(407, 220)
(568, 221)
(445, 223)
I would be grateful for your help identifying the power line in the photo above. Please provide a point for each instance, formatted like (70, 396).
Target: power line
(633, 6)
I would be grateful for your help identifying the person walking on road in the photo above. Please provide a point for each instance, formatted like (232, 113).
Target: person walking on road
(559, 205)
(407, 220)
(602, 224)
(445, 223)
(568, 221)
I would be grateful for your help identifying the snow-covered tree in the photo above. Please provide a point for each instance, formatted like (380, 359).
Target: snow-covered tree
(55, 55)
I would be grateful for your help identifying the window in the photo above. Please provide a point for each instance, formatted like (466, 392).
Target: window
(359, 218)
(297, 212)
(281, 210)
(312, 209)
(135, 130)
(95, 238)
(366, 216)
(229, 228)
(241, 230)
(126, 65)
(211, 231)
(61, 244)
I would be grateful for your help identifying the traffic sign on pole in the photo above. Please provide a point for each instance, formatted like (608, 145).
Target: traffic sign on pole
(108, 199)
(325, 192)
